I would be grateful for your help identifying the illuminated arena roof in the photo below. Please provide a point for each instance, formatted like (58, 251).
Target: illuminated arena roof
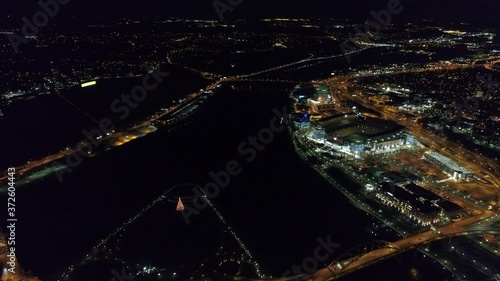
(356, 129)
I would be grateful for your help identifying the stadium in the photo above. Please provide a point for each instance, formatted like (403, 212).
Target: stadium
(357, 135)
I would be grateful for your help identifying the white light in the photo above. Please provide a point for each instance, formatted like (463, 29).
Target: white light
(87, 84)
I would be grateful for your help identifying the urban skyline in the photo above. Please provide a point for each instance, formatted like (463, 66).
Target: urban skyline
(250, 141)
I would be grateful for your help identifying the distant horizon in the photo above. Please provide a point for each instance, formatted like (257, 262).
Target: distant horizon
(250, 140)
(17, 20)
(478, 12)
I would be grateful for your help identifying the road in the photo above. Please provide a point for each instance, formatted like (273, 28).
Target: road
(469, 159)
(122, 137)
(461, 227)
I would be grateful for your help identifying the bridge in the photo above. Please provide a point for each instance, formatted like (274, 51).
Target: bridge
(372, 252)
(310, 59)
(359, 258)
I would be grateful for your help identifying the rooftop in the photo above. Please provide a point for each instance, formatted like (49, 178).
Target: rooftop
(421, 192)
(449, 206)
(358, 129)
(447, 162)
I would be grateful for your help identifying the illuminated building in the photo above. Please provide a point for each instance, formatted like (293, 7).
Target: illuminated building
(356, 134)
(415, 202)
(301, 120)
(448, 166)
(312, 95)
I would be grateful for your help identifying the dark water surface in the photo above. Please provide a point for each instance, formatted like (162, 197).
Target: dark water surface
(278, 205)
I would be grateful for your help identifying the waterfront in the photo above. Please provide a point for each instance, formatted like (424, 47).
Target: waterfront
(50, 123)
(278, 205)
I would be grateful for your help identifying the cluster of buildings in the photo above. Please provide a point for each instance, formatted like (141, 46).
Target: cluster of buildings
(360, 136)
(352, 134)
(311, 98)
(400, 192)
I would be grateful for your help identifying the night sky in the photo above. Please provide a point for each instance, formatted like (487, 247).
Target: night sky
(481, 11)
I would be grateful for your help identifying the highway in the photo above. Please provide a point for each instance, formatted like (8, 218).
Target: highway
(469, 159)
(472, 162)
(463, 227)
(484, 226)
(339, 268)
(121, 137)
(300, 62)
(35, 164)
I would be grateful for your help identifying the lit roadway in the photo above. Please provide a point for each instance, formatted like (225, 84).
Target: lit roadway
(333, 271)
(468, 226)
(479, 224)
(462, 227)
(122, 136)
(34, 164)
(470, 160)
(17, 275)
(418, 131)
(300, 62)
(473, 162)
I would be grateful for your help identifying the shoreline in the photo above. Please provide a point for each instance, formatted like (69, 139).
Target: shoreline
(352, 199)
